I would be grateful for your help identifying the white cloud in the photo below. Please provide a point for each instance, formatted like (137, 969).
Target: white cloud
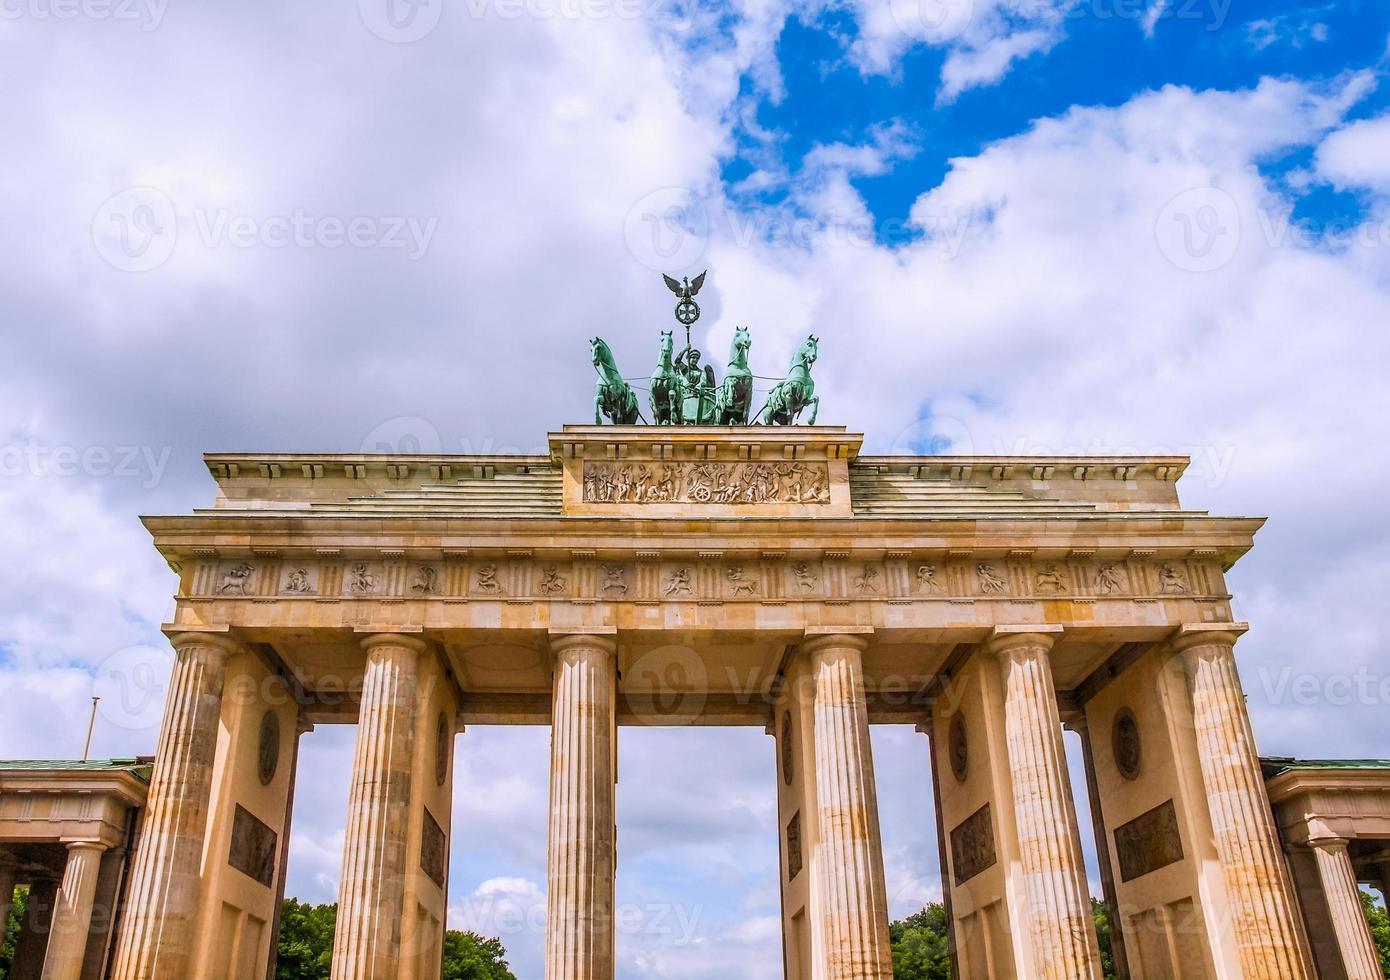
(983, 39)
(1358, 155)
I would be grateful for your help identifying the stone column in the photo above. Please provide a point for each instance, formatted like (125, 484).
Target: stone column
(72, 912)
(162, 895)
(579, 896)
(367, 942)
(1057, 913)
(7, 883)
(852, 896)
(1263, 916)
(1343, 894)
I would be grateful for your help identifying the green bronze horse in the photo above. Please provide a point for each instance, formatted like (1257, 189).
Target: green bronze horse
(735, 399)
(613, 396)
(792, 395)
(665, 391)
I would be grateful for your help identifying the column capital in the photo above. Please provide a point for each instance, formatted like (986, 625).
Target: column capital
(218, 640)
(85, 845)
(817, 638)
(601, 638)
(1002, 639)
(404, 641)
(1328, 843)
(1190, 635)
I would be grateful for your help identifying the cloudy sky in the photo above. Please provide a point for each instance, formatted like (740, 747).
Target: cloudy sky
(1016, 225)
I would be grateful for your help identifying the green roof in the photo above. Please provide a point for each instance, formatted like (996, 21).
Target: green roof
(1275, 765)
(138, 766)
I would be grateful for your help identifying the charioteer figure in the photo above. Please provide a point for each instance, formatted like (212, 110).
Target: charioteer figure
(697, 386)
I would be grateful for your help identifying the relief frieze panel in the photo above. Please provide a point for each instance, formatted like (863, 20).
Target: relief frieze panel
(707, 482)
(706, 577)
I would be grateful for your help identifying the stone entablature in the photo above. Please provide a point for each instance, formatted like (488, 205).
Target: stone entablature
(611, 471)
(56, 802)
(676, 575)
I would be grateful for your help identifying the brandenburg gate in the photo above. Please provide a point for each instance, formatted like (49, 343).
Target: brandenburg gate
(718, 567)
(767, 575)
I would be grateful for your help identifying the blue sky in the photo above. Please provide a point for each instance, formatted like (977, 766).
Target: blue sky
(1018, 226)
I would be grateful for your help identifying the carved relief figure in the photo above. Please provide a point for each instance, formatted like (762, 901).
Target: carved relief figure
(739, 581)
(927, 581)
(426, 580)
(298, 581)
(707, 482)
(552, 582)
(236, 580)
(1172, 580)
(1050, 580)
(615, 579)
(361, 579)
(806, 577)
(1109, 579)
(866, 582)
(678, 582)
(485, 580)
(990, 582)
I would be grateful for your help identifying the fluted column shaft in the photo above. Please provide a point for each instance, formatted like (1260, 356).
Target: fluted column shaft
(1339, 884)
(1263, 916)
(580, 877)
(853, 900)
(162, 896)
(72, 913)
(367, 942)
(1058, 912)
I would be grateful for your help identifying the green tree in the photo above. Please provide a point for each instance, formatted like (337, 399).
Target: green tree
(306, 940)
(921, 950)
(469, 956)
(1379, 921)
(1102, 919)
(305, 949)
(11, 933)
(919, 945)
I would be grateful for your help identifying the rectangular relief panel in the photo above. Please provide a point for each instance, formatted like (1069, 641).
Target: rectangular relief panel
(972, 846)
(1148, 842)
(433, 850)
(794, 846)
(252, 850)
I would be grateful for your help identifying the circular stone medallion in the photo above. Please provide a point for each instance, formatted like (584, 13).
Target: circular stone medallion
(787, 748)
(1125, 744)
(960, 751)
(268, 748)
(441, 749)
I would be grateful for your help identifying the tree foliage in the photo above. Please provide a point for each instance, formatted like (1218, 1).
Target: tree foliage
(306, 948)
(920, 949)
(10, 936)
(1379, 921)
